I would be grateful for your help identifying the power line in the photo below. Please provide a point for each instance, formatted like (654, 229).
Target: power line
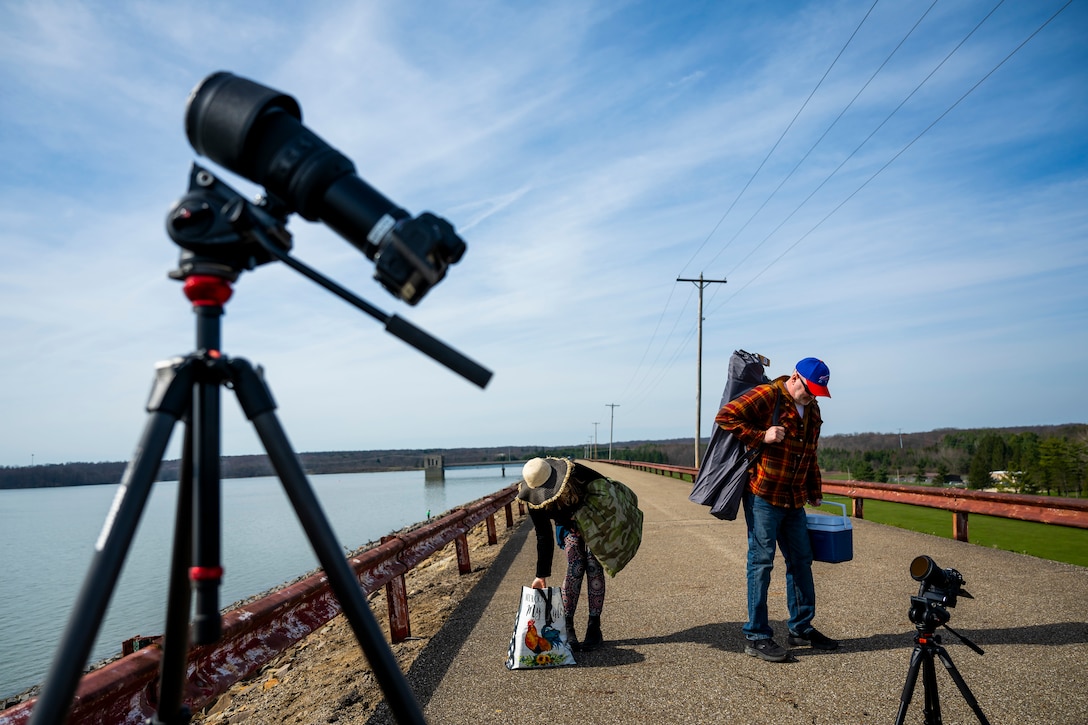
(653, 336)
(652, 380)
(649, 345)
(783, 135)
(862, 144)
(903, 150)
(812, 148)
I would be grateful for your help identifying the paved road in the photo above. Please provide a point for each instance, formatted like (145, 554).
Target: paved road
(674, 649)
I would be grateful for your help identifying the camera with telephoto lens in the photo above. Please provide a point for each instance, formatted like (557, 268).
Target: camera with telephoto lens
(939, 588)
(257, 132)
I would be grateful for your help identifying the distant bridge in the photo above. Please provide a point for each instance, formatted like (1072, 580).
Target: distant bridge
(434, 466)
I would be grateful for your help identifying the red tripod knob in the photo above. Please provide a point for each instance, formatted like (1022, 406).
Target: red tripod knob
(205, 290)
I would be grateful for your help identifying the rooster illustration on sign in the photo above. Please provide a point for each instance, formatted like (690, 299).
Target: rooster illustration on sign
(535, 642)
(551, 634)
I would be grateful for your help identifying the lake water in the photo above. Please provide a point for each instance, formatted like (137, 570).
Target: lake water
(47, 541)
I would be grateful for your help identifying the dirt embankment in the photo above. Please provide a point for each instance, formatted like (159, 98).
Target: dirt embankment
(325, 678)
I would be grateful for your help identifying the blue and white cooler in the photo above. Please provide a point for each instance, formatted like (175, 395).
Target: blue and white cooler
(832, 536)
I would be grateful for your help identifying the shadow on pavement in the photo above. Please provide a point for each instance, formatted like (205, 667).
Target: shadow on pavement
(434, 660)
(728, 637)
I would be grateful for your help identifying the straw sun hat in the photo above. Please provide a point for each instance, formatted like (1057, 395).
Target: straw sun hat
(544, 479)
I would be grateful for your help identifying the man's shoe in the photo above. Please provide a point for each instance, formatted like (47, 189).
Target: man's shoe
(813, 639)
(766, 649)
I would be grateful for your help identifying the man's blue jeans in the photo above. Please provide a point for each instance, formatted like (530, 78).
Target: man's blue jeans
(767, 525)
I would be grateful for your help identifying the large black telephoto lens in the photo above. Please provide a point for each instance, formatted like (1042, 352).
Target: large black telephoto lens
(257, 132)
(943, 585)
(924, 569)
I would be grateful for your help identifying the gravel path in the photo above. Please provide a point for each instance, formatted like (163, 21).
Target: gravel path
(674, 649)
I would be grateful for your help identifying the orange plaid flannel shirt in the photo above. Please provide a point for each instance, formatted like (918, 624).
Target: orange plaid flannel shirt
(786, 474)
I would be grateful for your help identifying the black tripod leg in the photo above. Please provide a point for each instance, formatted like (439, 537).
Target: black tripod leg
(962, 684)
(256, 401)
(169, 399)
(932, 709)
(206, 573)
(175, 641)
(908, 688)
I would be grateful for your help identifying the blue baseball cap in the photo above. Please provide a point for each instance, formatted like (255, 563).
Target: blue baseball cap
(816, 374)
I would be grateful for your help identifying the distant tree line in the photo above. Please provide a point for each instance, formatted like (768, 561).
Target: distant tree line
(87, 474)
(72, 474)
(647, 453)
(1044, 459)
(1038, 459)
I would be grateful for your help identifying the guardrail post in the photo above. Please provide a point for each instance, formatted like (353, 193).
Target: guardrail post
(959, 525)
(858, 511)
(396, 598)
(396, 595)
(492, 535)
(509, 515)
(464, 565)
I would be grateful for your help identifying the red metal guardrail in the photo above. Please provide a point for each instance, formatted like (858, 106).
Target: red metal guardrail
(125, 691)
(1041, 509)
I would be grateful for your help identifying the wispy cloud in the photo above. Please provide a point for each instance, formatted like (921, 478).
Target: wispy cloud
(931, 247)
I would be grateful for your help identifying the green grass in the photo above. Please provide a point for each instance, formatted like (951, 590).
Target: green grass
(1057, 543)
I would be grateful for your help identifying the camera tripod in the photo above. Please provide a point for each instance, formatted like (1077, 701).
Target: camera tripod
(927, 645)
(222, 235)
(189, 389)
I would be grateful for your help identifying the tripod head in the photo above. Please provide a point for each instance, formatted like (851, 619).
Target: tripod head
(927, 615)
(258, 133)
(220, 232)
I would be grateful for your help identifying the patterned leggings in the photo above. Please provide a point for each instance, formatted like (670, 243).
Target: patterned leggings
(581, 562)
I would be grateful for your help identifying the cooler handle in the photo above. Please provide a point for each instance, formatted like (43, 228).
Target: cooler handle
(840, 505)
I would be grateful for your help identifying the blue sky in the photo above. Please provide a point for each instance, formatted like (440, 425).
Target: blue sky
(900, 191)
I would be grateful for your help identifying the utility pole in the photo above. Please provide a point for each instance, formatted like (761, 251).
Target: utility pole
(611, 426)
(595, 424)
(897, 478)
(702, 283)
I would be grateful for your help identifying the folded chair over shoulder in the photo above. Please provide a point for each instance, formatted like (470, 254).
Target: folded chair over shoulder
(723, 474)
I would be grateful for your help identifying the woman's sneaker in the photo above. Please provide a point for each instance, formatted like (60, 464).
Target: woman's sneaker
(812, 638)
(766, 649)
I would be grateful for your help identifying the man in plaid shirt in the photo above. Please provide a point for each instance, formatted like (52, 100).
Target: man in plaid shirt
(783, 418)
